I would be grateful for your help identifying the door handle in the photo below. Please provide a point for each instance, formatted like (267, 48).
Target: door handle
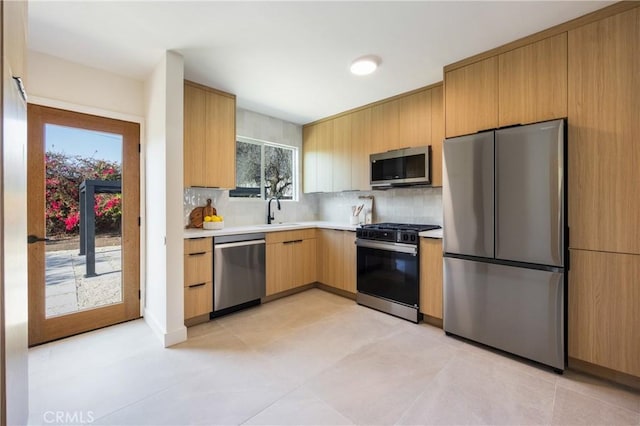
(33, 239)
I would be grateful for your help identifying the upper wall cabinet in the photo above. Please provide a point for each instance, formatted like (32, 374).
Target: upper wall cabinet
(532, 82)
(209, 137)
(471, 97)
(604, 124)
(336, 150)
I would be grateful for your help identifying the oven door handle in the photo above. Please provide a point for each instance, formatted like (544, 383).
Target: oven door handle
(394, 247)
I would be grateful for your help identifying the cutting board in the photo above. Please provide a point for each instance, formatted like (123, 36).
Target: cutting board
(196, 217)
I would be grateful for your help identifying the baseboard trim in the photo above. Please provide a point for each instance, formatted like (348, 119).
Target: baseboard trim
(338, 291)
(436, 322)
(286, 293)
(605, 373)
(167, 338)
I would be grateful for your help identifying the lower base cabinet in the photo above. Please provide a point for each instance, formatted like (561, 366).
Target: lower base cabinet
(198, 277)
(337, 259)
(431, 277)
(604, 310)
(291, 260)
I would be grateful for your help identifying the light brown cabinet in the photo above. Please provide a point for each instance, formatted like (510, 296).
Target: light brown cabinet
(198, 278)
(336, 150)
(209, 137)
(360, 139)
(310, 158)
(341, 153)
(471, 97)
(604, 310)
(290, 260)
(337, 259)
(437, 134)
(604, 177)
(532, 82)
(431, 277)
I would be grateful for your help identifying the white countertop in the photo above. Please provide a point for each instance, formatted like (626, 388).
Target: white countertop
(250, 229)
(434, 233)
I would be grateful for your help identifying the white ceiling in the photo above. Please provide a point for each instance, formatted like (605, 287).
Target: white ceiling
(289, 59)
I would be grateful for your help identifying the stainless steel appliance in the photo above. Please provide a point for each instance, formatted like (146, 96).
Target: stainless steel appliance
(388, 274)
(505, 239)
(238, 271)
(408, 166)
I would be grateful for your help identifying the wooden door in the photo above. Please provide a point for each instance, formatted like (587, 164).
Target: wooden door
(111, 295)
(414, 120)
(360, 149)
(341, 153)
(309, 252)
(431, 277)
(195, 117)
(533, 82)
(604, 310)
(310, 158)
(604, 177)
(324, 156)
(437, 134)
(350, 261)
(220, 147)
(471, 97)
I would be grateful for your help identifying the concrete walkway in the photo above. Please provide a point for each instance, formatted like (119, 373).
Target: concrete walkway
(67, 290)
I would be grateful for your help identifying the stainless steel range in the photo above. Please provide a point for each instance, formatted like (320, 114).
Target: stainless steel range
(388, 277)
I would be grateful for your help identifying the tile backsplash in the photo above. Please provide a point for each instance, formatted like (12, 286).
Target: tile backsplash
(406, 205)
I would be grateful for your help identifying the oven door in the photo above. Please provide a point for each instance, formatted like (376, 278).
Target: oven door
(388, 270)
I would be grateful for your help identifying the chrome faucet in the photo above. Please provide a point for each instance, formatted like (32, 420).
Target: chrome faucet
(270, 216)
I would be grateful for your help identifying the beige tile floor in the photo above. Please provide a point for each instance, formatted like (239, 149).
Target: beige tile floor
(310, 359)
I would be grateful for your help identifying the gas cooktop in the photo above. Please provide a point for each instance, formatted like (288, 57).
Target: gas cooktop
(401, 226)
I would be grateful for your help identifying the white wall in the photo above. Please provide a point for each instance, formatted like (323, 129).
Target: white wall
(164, 310)
(58, 83)
(13, 230)
(237, 211)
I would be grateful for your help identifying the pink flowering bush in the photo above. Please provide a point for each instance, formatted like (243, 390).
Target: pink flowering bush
(63, 176)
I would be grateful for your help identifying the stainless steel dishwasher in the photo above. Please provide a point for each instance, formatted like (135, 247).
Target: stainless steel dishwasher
(238, 271)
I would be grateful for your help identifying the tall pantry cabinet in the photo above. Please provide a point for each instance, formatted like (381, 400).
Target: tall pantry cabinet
(604, 196)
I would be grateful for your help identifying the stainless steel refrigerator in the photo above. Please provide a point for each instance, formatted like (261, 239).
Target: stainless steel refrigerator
(504, 245)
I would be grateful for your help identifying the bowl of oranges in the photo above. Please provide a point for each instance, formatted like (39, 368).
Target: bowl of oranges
(213, 222)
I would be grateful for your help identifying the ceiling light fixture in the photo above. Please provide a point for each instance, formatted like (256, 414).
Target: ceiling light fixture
(365, 65)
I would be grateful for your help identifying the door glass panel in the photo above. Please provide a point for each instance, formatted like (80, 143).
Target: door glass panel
(81, 276)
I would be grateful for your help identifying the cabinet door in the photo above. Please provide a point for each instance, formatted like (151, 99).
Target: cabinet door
(532, 82)
(198, 268)
(308, 253)
(220, 149)
(437, 134)
(324, 156)
(431, 277)
(341, 153)
(310, 158)
(278, 268)
(195, 117)
(604, 177)
(385, 133)
(414, 116)
(471, 98)
(198, 300)
(604, 310)
(360, 141)
(350, 261)
(332, 262)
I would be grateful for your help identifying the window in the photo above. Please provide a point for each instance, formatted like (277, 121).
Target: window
(265, 170)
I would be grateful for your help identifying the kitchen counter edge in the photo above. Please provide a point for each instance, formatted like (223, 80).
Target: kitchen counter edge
(251, 229)
(434, 233)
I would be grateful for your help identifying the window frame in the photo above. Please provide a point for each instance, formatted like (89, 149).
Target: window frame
(294, 168)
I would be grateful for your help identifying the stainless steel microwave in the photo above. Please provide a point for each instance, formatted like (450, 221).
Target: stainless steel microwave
(401, 167)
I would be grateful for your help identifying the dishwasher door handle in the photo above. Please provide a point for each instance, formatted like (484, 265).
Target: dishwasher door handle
(238, 244)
